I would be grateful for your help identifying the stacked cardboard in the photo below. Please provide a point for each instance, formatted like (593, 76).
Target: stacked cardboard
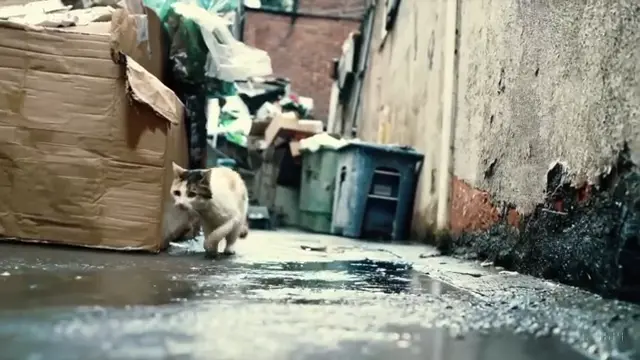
(86, 134)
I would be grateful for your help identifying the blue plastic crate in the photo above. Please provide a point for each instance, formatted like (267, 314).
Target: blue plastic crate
(374, 191)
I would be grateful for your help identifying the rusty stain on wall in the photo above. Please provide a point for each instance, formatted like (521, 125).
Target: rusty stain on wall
(474, 210)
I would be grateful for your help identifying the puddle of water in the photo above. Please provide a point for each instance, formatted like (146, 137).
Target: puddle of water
(118, 288)
(226, 331)
(48, 277)
(59, 305)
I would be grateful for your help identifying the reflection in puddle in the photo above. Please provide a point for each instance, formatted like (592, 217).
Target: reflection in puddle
(63, 306)
(364, 275)
(104, 287)
(148, 283)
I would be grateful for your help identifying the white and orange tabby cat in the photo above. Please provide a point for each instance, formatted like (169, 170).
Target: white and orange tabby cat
(220, 199)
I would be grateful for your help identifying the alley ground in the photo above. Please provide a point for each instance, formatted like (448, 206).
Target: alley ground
(288, 295)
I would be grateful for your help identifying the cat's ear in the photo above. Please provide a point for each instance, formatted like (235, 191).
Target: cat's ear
(206, 175)
(177, 170)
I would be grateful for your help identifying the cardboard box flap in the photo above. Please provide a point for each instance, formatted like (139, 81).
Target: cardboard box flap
(129, 33)
(146, 88)
(132, 34)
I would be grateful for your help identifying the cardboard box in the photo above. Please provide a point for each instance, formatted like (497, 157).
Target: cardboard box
(85, 143)
(287, 127)
(284, 120)
(139, 36)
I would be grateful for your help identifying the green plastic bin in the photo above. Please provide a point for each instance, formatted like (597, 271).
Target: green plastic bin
(316, 189)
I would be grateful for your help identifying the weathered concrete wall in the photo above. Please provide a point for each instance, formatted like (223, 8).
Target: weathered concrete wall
(537, 84)
(541, 83)
(401, 96)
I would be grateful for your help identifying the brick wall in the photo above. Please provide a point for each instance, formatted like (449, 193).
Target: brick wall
(302, 52)
(345, 8)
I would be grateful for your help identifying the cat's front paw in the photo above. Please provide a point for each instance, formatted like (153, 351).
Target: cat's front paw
(228, 252)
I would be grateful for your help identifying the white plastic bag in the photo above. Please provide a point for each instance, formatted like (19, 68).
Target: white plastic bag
(233, 120)
(228, 59)
(267, 112)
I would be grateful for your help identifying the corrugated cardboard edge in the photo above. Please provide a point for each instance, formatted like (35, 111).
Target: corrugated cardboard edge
(140, 37)
(124, 32)
(14, 25)
(144, 88)
(143, 248)
(177, 146)
(147, 89)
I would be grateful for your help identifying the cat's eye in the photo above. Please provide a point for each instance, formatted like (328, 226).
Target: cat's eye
(191, 194)
(176, 192)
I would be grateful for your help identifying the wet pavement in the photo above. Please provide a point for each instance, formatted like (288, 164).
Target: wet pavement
(291, 296)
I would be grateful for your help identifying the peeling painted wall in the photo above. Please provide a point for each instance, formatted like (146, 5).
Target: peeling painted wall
(545, 81)
(539, 81)
(401, 96)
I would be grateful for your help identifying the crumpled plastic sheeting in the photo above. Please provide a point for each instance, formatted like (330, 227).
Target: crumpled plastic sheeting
(233, 120)
(322, 140)
(188, 55)
(227, 59)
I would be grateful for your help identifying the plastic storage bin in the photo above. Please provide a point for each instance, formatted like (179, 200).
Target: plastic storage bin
(317, 189)
(374, 191)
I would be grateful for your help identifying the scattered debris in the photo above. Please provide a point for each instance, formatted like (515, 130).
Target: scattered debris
(487, 263)
(506, 272)
(554, 211)
(430, 255)
(319, 248)
(315, 142)
(391, 253)
(473, 274)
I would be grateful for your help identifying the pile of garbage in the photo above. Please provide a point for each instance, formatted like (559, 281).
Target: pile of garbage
(224, 84)
(222, 81)
(119, 59)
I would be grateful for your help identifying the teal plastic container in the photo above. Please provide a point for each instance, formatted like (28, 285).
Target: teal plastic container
(226, 162)
(317, 186)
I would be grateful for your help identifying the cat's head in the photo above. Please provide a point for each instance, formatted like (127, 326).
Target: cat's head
(190, 188)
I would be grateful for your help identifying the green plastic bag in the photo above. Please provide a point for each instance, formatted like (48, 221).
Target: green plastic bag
(187, 58)
(187, 50)
(236, 137)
